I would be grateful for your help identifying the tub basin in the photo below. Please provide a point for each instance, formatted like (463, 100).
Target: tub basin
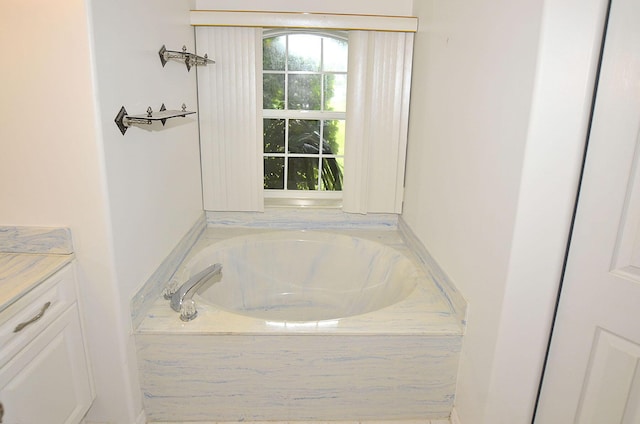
(304, 276)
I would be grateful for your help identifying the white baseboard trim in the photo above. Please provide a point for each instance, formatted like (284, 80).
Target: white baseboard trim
(306, 422)
(454, 416)
(142, 418)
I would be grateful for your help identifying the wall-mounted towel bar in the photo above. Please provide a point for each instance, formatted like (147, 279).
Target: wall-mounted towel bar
(124, 120)
(190, 59)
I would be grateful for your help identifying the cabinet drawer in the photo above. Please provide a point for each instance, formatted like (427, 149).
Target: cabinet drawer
(27, 317)
(48, 381)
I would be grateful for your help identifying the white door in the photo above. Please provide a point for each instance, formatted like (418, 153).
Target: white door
(593, 370)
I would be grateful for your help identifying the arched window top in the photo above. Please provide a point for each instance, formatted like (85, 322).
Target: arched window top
(275, 32)
(304, 50)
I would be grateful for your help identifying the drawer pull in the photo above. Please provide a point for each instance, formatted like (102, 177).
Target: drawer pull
(39, 315)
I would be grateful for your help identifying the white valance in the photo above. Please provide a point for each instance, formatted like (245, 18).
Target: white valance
(303, 20)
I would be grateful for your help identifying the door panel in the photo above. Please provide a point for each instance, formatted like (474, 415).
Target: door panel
(612, 386)
(592, 373)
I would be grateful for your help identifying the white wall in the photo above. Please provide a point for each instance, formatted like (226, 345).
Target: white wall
(51, 171)
(499, 117)
(128, 200)
(474, 68)
(152, 173)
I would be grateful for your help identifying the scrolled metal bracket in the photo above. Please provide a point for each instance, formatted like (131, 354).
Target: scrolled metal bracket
(124, 120)
(190, 59)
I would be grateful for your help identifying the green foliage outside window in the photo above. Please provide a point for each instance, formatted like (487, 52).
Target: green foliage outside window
(301, 83)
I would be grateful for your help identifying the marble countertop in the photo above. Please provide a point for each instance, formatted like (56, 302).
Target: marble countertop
(28, 256)
(19, 273)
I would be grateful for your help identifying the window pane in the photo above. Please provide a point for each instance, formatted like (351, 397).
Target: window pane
(335, 92)
(273, 135)
(304, 52)
(303, 174)
(304, 136)
(304, 72)
(332, 171)
(273, 91)
(274, 173)
(334, 134)
(274, 53)
(335, 55)
(304, 92)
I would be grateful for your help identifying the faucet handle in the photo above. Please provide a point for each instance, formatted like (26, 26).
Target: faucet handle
(188, 310)
(171, 287)
(180, 276)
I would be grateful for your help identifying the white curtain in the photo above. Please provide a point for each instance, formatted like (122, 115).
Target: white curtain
(230, 113)
(379, 82)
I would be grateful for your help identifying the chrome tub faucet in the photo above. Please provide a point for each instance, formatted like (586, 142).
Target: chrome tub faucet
(182, 299)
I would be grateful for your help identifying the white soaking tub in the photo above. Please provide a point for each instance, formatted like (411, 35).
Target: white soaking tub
(303, 326)
(304, 276)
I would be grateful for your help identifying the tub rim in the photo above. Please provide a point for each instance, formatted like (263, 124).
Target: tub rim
(426, 311)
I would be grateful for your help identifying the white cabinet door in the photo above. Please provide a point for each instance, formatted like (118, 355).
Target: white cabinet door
(593, 370)
(48, 381)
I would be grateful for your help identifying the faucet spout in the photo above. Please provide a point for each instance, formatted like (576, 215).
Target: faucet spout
(188, 289)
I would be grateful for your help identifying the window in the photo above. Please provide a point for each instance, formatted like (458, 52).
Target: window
(304, 159)
(304, 109)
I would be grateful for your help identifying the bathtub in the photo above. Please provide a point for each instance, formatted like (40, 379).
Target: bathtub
(303, 276)
(303, 326)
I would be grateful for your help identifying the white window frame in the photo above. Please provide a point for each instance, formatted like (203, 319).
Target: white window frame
(303, 198)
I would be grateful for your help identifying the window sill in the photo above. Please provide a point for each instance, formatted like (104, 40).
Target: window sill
(302, 202)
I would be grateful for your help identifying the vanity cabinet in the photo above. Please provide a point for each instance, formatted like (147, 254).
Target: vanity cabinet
(44, 372)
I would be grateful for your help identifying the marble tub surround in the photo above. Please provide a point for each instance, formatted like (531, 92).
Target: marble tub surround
(150, 291)
(196, 377)
(400, 319)
(302, 219)
(28, 256)
(456, 301)
(225, 225)
(396, 363)
(425, 310)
